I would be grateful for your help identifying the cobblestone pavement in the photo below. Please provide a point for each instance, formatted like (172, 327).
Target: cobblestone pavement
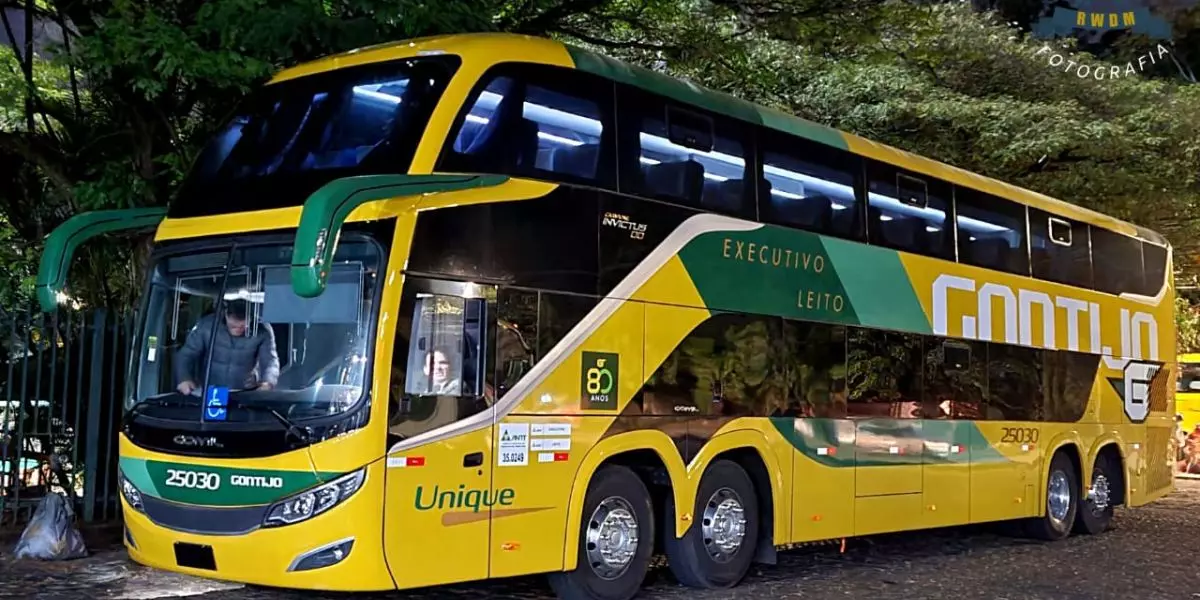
(1151, 553)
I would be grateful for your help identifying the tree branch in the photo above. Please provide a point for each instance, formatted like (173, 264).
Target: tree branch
(35, 152)
(612, 44)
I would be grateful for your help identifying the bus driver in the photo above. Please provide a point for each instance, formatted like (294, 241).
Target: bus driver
(239, 361)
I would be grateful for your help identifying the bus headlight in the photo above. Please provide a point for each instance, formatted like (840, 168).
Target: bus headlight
(315, 501)
(131, 494)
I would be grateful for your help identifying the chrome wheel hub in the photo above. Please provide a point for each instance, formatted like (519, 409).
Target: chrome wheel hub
(1058, 499)
(1099, 493)
(723, 525)
(612, 538)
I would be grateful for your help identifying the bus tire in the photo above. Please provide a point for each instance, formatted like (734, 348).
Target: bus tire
(1096, 511)
(718, 548)
(1062, 501)
(617, 505)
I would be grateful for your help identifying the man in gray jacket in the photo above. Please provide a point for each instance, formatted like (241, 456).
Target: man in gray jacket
(239, 361)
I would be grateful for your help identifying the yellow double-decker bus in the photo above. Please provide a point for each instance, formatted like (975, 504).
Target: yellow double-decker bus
(480, 306)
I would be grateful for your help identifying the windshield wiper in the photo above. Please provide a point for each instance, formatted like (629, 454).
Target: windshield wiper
(170, 400)
(301, 433)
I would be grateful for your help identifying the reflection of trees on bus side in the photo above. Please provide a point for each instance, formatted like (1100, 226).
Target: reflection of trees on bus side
(748, 365)
(736, 365)
(730, 365)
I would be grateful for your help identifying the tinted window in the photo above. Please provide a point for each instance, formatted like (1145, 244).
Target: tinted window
(908, 211)
(686, 155)
(1059, 248)
(884, 374)
(991, 232)
(1069, 378)
(516, 336)
(1154, 259)
(809, 185)
(519, 243)
(955, 379)
(1014, 383)
(557, 315)
(288, 139)
(816, 353)
(539, 122)
(1120, 260)
(729, 365)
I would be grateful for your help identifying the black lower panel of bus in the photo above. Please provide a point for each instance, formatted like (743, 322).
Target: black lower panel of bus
(194, 556)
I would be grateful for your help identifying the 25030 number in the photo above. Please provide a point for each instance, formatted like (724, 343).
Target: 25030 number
(1020, 435)
(196, 480)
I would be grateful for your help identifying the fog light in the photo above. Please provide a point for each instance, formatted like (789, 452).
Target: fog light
(328, 555)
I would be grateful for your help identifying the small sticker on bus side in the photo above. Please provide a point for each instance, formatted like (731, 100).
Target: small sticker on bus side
(514, 445)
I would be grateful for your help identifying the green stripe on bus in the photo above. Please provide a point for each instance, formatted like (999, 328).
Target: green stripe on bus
(878, 285)
(257, 487)
(801, 275)
(809, 436)
(789, 272)
(682, 91)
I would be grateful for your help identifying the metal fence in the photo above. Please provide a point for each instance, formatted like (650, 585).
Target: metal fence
(61, 385)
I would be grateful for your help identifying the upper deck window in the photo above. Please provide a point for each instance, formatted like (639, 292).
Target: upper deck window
(686, 155)
(908, 211)
(809, 186)
(288, 139)
(1120, 260)
(536, 121)
(991, 232)
(1060, 249)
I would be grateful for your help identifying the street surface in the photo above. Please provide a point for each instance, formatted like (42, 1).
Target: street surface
(1151, 553)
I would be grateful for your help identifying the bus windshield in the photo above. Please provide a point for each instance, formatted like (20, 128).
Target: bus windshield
(287, 139)
(1189, 377)
(224, 330)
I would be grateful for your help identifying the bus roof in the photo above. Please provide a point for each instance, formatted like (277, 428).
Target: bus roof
(492, 48)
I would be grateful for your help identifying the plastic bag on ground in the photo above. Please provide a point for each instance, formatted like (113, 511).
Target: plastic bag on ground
(51, 533)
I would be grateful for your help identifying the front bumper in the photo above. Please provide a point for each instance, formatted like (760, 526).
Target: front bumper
(338, 550)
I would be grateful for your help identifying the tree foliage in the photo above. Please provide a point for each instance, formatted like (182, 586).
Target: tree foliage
(123, 106)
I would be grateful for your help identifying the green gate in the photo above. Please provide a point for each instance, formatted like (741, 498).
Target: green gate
(61, 388)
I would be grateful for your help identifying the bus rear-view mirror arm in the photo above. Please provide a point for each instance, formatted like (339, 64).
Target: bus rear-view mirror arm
(326, 210)
(64, 239)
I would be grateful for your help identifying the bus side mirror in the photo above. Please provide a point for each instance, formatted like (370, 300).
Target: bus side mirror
(62, 242)
(326, 210)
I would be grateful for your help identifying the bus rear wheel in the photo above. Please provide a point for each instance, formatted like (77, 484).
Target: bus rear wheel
(1062, 501)
(1096, 512)
(718, 548)
(616, 539)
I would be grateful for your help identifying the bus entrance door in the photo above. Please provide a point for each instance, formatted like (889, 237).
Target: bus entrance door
(439, 491)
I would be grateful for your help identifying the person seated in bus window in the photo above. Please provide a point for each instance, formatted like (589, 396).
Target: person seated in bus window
(239, 360)
(437, 369)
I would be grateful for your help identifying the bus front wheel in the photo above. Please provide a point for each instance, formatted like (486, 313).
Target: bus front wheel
(616, 539)
(718, 548)
(1062, 501)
